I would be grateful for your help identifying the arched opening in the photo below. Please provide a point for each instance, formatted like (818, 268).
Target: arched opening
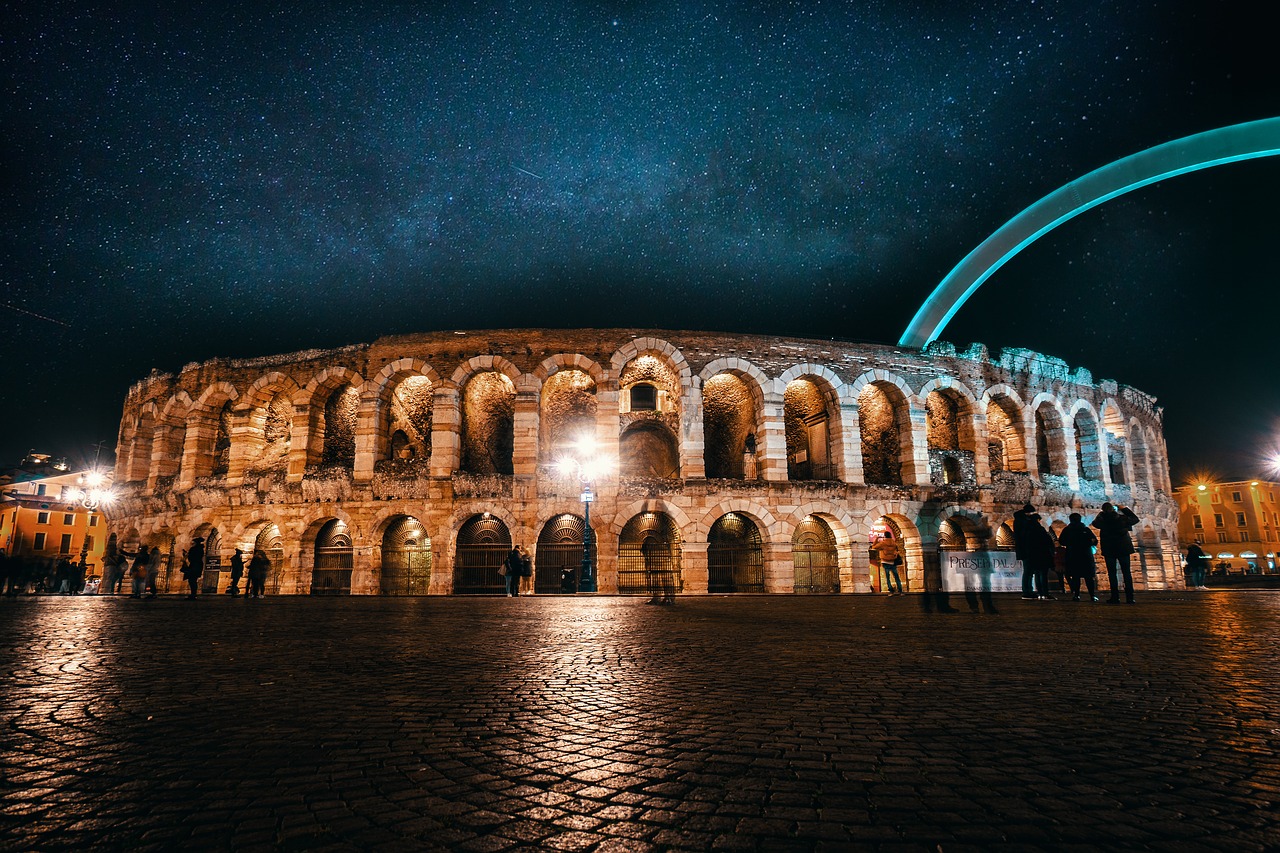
(888, 555)
(649, 555)
(483, 545)
(166, 453)
(221, 442)
(644, 397)
(488, 424)
(1088, 447)
(338, 449)
(1006, 450)
(1117, 445)
(728, 428)
(212, 576)
(880, 422)
(271, 427)
(648, 449)
(949, 432)
(406, 558)
(139, 464)
(334, 560)
(408, 423)
(559, 557)
(1051, 458)
(807, 421)
(271, 544)
(568, 410)
(735, 555)
(1003, 540)
(813, 553)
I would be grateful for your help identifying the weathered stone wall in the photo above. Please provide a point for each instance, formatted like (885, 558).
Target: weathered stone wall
(437, 429)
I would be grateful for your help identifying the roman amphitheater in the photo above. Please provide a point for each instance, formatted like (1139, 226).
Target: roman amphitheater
(733, 463)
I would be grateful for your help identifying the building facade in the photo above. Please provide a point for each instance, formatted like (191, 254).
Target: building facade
(1236, 523)
(43, 516)
(731, 463)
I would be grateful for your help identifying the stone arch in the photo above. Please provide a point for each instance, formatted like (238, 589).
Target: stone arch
(735, 554)
(267, 413)
(399, 404)
(1140, 450)
(641, 346)
(559, 553)
(915, 547)
(402, 555)
(733, 419)
(625, 513)
(1053, 436)
(812, 422)
(570, 361)
(885, 427)
(648, 449)
(568, 407)
(1089, 446)
(138, 464)
(650, 548)
(208, 441)
(1116, 446)
(1006, 429)
(488, 410)
(482, 543)
(332, 393)
(951, 430)
(851, 568)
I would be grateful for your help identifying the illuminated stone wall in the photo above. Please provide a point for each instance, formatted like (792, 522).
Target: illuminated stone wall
(461, 431)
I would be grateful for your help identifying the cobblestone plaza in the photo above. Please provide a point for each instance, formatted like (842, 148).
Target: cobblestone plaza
(757, 722)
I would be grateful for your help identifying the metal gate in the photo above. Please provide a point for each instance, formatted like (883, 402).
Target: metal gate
(271, 544)
(483, 546)
(212, 563)
(735, 556)
(559, 558)
(331, 574)
(649, 556)
(406, 558)
(813, 553)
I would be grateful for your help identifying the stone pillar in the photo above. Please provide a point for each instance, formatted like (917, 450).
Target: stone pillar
(915, 446)
(978, 440)
(779, 568)
(851, 457)
(693, 567)
(446, 440)
(300, 450)
(771, 444)
(364, 580)
(858, 577)
(693, 465)
(369, 430)
(195, 456)
(607, 427)
(246, 444)
(1067, 443)
(1029, 447)
(524, 457)
(442, 557)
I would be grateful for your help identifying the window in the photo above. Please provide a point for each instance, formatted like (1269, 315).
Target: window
(1244, 536)
(42, 518)
(1217, 519)
(1215, 498)
(42, 489)
(1199, 523)
(644, 397)
(1239, 519)
(1235, 497)
(93, 521)
(88, 543)
(64, 547)
(68, 518)
(1222, 537)
(1199, 538)
(39, 543)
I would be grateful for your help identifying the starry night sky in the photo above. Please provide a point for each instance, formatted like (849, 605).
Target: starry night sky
(181, 184)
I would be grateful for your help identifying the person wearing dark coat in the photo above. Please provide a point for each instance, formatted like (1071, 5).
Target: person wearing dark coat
(1034, 546)
(1078, 541)
(1113, 532)
(194, 566)
(512, 570)
(237, 572)
(259, 566)
(1197, 562)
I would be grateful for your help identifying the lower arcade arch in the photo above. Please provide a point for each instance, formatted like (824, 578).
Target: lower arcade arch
(735, 555)
(211, 577)
(559, 557)
(406, 558)
(483, 545)
(815, 558)
(334, 560)
(888, 555)
(270, 544)
(649, 555)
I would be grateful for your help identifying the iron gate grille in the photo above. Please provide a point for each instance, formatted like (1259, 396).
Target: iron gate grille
(559, 557)
(271, 544)
(735, 559)
(813, 553)
(212, 563)
(483, 546)
(406, 570)
(649, 556)
(331, 574)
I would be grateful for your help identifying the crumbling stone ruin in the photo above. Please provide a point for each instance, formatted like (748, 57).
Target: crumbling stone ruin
(737, 463)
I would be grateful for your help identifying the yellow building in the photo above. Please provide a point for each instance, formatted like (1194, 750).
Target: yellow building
(48, 512)
(1237, 524)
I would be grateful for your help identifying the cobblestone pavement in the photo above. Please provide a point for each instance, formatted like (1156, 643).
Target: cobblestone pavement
(756, 723)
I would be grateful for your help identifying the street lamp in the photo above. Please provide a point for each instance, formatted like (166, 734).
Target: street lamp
(586, 466)
(91, 490)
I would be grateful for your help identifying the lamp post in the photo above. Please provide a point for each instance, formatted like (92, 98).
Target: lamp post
(585, 466)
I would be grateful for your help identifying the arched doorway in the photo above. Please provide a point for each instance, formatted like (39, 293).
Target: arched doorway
(813, 554)
(559, 557)
(888, 550)
(649, 555)
(271, 544)
(483, 545)
(406, 558)
(334, 560)
(735, 555)
(212, 562)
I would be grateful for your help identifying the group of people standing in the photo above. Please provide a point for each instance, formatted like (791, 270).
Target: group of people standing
(1035, 547)
(193, 564)
(517, 567)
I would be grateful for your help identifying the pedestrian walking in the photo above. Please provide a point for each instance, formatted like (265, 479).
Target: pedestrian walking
(259, 567)
(511, 571)
(1033, 545)
(1078, 541)
(237, 572)
(890, 557)
(193, 565)
(153, 572)
(1113, 532)
(137, 570)
(1197, 563)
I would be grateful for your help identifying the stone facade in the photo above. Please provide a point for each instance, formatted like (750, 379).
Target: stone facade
(411, 464)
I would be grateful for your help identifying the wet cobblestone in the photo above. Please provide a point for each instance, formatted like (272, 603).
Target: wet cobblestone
(752, 723)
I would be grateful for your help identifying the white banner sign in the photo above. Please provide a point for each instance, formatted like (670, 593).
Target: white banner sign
(999, 571)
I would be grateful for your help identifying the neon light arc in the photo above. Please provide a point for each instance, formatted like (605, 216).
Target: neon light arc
(1189, 154)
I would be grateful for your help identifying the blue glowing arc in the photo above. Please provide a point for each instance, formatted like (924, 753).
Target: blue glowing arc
(1188, 154)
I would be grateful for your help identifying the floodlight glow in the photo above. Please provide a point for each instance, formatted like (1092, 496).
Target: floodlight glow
(1189, 154)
